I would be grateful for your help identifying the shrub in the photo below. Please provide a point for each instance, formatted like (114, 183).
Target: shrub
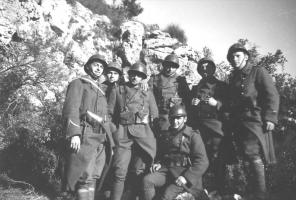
(176, 32)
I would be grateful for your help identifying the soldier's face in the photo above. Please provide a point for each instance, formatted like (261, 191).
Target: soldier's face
(112, 76)
(177, 122)
(135, 78)
(97, 68)
(169, 70)
(206, 70)
(239, 59)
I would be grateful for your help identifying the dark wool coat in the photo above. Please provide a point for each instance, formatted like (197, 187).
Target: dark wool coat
(186, 142)
(83, 94)
(254, 101)
(204, 114)
(134, 99)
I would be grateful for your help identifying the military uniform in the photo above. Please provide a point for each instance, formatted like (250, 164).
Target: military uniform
(137, 108)
(85, 166)
(168, 91)
(254, 101)
(180, 153)
(209, 121)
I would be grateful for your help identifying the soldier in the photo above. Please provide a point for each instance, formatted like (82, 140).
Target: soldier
(169, 89)
(86, 127)
(137, 110)
(254, 108)
(114, 76)
(206, 113)
(181, 160)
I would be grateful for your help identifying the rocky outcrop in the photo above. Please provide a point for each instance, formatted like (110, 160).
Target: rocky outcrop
(76, 32)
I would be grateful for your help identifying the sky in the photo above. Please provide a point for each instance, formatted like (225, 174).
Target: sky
(217, 24)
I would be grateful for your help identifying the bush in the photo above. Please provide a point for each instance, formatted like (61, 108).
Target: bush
(27, 159)
(176, 32)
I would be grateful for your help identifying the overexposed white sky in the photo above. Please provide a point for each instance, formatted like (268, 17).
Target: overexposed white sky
(217, 24)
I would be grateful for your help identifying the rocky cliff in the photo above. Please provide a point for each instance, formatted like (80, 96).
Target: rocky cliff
(76, 31)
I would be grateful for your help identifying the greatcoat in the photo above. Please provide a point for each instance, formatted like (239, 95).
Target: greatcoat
(135, 100)
(254, 101)
(83, 94)
(204, 114)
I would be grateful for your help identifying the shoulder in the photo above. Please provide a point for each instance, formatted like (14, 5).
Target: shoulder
(76, 83)
(188, 131)
(181, 79)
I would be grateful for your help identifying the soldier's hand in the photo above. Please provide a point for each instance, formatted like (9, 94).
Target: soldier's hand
(75, 143)
(155, 167)
(211, 101)
(181, 181)
(269, 126)
(195, 101)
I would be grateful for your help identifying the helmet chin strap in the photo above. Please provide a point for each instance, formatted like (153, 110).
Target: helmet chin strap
(92, 75)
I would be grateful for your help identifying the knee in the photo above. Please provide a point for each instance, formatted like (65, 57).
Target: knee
(148, 181)
(168, 195)
(120, 173)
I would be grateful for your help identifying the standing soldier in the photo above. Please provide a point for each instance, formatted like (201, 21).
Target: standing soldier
(206, 113)
(85, 114)
(114, 79)
(137, 110)
(254, 109)
(180, 163)
(169, 89)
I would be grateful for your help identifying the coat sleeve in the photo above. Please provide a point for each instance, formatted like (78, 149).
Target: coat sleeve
(269, 99)
(112, 101)
(222, 96)
(184, 91)
(153, 106)
(71, 114)
(198, 158)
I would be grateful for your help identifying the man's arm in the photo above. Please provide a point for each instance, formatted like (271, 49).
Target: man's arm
(198, 158)
(71, 107)
(270, 96)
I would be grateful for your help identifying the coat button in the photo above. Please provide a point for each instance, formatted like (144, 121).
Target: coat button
(242, 93)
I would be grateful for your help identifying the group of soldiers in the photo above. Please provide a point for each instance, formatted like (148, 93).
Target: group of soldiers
(157, 138)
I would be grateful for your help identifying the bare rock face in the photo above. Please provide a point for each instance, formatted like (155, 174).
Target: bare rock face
(159, 44)
(74, 32)
(131, 38)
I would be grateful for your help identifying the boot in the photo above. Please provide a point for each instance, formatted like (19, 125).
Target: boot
(91, 193)
(83, 194)
(257, 167)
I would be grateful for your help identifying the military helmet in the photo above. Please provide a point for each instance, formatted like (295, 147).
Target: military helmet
(140, 68)
(93, 58)
(114, 66)
(234, 48)
(178, 110)
(171, 59)
(206, 60)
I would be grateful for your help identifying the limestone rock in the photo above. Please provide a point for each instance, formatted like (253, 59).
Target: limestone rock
(132, 37)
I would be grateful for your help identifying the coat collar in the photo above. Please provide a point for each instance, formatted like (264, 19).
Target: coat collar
(246, 69)
(186, 130)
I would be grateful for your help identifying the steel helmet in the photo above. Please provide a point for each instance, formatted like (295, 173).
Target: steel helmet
(178, 110)
(96, 57)
(206, 60)
(171, 59)
(235, 48)
(140, 68)
(114, 66)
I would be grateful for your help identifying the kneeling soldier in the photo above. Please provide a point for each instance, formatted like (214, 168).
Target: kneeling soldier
(181, 160)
